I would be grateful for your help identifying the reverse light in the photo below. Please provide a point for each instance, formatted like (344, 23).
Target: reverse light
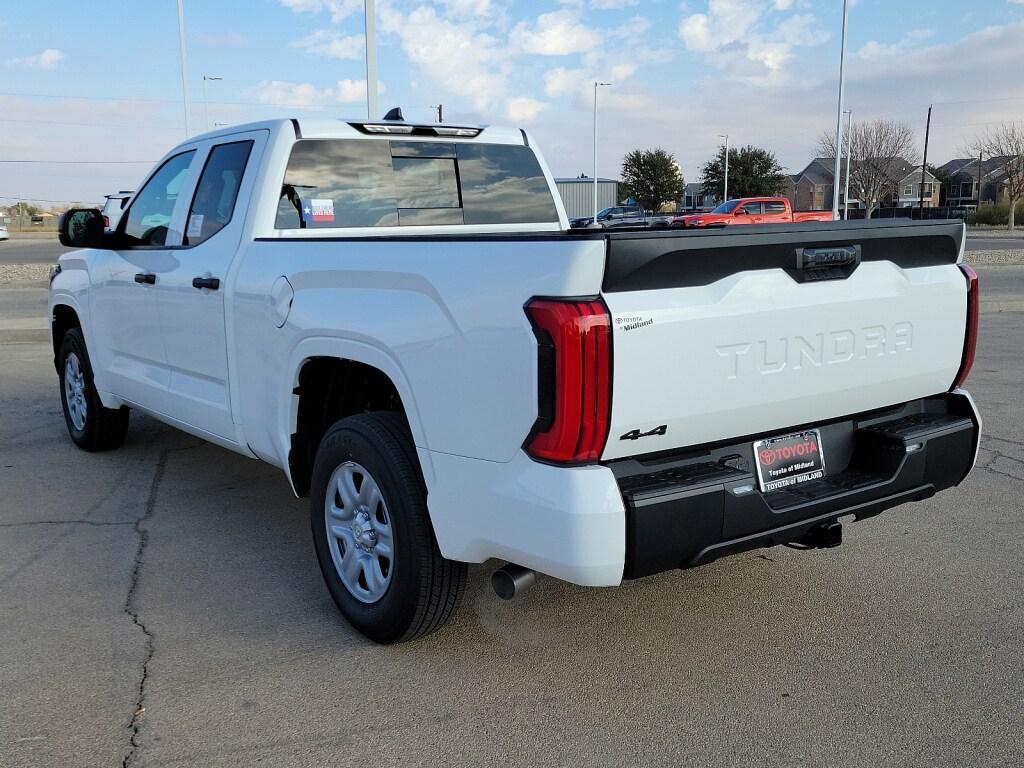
(971, 334)
(574, 379)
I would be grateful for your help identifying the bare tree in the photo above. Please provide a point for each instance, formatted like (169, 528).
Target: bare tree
(879, 151)
(1005, 143)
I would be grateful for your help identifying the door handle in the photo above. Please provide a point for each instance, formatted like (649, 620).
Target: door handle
(212, 283)
(145, 278)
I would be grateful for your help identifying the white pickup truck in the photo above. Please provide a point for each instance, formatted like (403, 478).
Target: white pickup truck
(399, 317)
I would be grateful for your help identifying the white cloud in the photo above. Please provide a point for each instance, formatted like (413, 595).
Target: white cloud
(608, 5)
(726, 22)
(353, 90)
(280, 93)
(738, 32)
(523, 109)
(632, 29)
(339, 9)
(555, 34)
(456, 58)
(463, 8)
(561, 81)
(876, 50)
(48, 59)
(333, 45)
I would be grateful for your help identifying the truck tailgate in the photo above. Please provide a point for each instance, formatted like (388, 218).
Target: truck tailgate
(724, 334)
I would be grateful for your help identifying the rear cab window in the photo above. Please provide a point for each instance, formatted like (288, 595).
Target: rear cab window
(332, 183)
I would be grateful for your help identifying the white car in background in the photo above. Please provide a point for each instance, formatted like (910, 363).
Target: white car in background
(4, 234)
(113, 208)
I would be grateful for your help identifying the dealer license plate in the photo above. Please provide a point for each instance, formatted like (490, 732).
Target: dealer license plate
(789, 460)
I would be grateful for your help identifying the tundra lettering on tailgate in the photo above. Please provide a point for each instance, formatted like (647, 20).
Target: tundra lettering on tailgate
(769, 356)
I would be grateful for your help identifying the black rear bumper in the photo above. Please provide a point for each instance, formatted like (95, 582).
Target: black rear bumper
(687, 509)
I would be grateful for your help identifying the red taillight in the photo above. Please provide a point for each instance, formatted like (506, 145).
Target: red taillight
(575, 372)
(106, 222)
(971, 334)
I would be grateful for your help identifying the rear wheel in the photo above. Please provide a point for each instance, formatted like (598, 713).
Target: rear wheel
(372, 532)
(91, 426)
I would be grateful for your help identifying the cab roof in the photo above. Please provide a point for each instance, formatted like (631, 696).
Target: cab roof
(356, 128)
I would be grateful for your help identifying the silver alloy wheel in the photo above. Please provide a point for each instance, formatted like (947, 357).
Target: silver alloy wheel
(74, 391)
(359, 532)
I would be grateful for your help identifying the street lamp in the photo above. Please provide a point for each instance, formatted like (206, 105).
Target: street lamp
(849, 159)
(184, 63)
(596, 84)
(370, 25)
(725, 193)
(839, 116)
(206, 107)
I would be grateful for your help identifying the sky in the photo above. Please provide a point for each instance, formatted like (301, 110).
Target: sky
(101, 84)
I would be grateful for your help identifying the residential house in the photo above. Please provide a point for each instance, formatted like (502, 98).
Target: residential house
(813, 185)
(910, 193)
(962, 187)
(694, 198)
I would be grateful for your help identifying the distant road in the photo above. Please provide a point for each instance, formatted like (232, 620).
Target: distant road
(43, 251)
(46, 251)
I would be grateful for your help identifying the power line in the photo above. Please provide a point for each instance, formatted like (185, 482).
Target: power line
(36, 199)
(83, 162)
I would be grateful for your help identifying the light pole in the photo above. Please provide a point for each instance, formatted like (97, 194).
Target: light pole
(849, 159)
(839, 116)
(725, 192)
(370, 25)
(206, 107)
(184, 62)
(596, 84)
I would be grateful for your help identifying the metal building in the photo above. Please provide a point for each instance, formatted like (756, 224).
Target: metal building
(578, 195)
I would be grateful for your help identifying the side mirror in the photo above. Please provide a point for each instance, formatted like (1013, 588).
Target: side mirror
(81, 228)
(740, 212)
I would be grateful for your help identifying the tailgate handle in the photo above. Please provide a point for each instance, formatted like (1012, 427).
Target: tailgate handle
(833, 262)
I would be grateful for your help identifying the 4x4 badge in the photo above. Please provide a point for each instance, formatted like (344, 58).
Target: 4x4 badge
(636, 434)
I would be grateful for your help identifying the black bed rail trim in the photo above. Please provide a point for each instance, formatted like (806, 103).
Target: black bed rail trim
(647, 261)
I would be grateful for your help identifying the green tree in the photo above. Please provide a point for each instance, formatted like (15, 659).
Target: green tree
(652, 177)
(752, 172)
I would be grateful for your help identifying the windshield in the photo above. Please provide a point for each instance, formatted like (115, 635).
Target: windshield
(604, 212)
(727, 207)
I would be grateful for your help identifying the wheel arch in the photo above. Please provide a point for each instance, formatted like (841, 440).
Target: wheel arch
(331, 378)
(63, 317)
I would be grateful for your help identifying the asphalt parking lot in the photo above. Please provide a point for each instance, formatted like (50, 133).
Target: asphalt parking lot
(161, 605)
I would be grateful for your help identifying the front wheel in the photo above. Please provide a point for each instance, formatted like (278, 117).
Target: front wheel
(372, 532)
(91, 426)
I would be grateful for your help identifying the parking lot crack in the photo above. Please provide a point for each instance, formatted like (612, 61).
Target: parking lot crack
(131, 609)
(96, 523)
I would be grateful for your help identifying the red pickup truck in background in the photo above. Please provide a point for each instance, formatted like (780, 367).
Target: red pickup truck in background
(750, 210)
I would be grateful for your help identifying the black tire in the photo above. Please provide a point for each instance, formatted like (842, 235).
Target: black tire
(424, 587)
(104, 428)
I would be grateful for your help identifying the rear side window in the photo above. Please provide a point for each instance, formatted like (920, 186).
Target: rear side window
(774, 206)
(217, 191)
(379, 183)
